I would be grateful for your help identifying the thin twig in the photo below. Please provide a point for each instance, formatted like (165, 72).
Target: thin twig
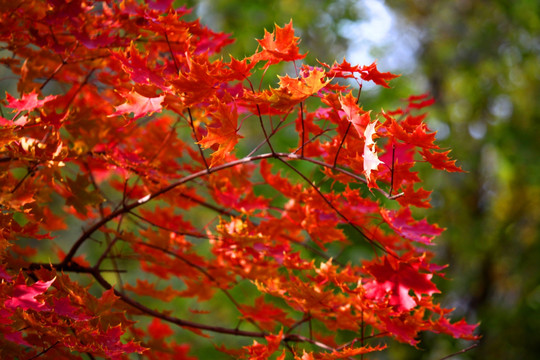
(460, 352)
(182, 233)
(197, 140)
(264, 130)
(174, 320)
(341, 144)
(172, 53)
(30, 172)
(205, 273)
(334, 208)
(44, 351)
(124, 208)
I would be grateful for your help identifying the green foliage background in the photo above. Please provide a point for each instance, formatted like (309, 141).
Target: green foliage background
(481, 62)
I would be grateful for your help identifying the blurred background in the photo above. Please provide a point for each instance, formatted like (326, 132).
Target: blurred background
(481, 62)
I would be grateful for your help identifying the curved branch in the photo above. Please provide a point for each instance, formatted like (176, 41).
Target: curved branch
(128, 207)
(172, 319)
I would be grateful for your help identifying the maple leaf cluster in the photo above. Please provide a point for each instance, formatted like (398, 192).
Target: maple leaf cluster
(143, 176)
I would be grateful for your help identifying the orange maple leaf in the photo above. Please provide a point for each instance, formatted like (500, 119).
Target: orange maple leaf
(224, 132)
(292, 91)
(281, 45)
(139, 105)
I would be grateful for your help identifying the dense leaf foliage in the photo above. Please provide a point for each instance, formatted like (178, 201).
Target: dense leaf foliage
(169, 159)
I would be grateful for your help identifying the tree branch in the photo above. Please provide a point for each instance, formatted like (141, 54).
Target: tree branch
(281, 156)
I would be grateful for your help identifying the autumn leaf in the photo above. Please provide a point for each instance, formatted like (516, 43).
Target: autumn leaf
(459, 330)
(304, 86)
(342, 70)
(17, 337)
(395, 279)
(222, 132)
(371, 73)
(281, 45)
(159, 330)
(440, 160)
(349, 351)
(28, 102)
(138, 68)
(419, 101)
(355, 114)
(265, 314)
(418, 198)
(63, 307)
(291, 91)
(402, 223)
(139, 105)
(24, 297)
(371, 161)
(366, 72)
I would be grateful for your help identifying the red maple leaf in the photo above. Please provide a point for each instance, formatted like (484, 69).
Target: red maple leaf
(403, 224)
(440, 160)
(159, 330)
(418, 198)
(292, 91)
(111, 345)
(265, 314)
(62, 306)
(343, 70)
(3, 274)
(419, 101)
(370, 73)
(138, 69)
(27, 102)
(17, 337)
(395, 279)
(24, 297)
(459, 329)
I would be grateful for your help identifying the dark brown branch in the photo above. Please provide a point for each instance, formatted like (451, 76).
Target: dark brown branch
(72, 267)
(460, 352)
(124, 208)
(207, 205)
(30, 172)
(264, 130)
(182, 233)
(204, 272)
(274, 131)
(172, 53)
(172, 319)
(44, 351)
